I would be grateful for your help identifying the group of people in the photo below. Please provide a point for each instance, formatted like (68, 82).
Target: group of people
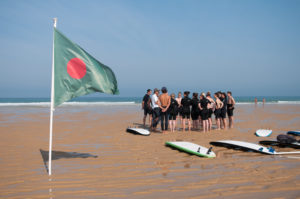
(194, 113)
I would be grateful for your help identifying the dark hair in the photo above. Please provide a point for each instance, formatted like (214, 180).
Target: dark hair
(195, 95)
(148, 90)
(208, 94)
(229, 92)
(164, 90)
(186, 93)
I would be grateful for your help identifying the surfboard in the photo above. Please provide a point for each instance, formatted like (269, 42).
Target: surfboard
(138, 131)
(250, 146)
(293, 132)
(263, 132)
(192, 148)
(295, 145)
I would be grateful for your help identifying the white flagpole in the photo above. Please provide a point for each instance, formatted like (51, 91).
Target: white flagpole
(52, 104)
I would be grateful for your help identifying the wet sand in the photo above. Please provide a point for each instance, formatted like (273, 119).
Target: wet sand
(95, 158)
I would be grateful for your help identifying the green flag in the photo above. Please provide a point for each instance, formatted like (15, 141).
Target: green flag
(77, 73)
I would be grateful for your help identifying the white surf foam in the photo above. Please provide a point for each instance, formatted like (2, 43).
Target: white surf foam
(288, 102)
(274, 102)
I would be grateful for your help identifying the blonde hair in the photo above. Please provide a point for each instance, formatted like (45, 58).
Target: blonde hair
(173, 95)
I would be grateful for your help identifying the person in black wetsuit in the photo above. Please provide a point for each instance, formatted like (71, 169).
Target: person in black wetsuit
(146, 105)
(173, 111)
(186, 111)
(223, 98)
(178, 99)
(211, 107)
(195, 111)
(230, 107)
(204, 111)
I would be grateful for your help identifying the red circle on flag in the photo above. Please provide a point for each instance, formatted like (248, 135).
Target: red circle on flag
(76, 68)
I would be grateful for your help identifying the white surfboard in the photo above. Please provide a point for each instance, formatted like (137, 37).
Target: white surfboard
(263, 132)
(138, 131)
(251, 146)
(192, 148)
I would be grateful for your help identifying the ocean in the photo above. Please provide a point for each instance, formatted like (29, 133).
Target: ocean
(98, 101)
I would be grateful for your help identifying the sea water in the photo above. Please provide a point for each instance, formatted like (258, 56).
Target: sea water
(116, 100)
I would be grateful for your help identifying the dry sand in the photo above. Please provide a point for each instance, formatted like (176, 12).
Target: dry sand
(123, 165)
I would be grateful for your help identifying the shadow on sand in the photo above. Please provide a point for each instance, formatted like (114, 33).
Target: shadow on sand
(60, 154)
(138, 125)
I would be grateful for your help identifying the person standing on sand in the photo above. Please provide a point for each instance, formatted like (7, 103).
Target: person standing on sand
(211, 107)
(165, 101)
(223, 98)
(146, 105)
(155, 103)
(173, 111)
(204, 111)
(219, 105)
(186, 111)
(178, 99)
(230, 107)
(195, 111)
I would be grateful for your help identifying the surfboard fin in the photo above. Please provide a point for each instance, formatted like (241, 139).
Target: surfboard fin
(271, 150)
(198, 150)
(209, 150)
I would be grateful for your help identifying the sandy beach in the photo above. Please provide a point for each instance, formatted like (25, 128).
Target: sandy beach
(94, 157)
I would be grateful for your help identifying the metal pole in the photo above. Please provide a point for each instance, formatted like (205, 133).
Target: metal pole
(52, 105)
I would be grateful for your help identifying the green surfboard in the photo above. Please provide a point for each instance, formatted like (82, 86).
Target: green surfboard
(192, 148)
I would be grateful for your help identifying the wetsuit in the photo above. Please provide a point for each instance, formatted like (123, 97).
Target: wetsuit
(230, 110)
(179, 108)
(195, 109)
(204, 111)
(224, 108)
(186, 111)
(210, 110)
(173, 109)
(217, 111)
(147, 105)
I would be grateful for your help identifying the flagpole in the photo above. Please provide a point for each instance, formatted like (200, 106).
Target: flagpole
(52, 105)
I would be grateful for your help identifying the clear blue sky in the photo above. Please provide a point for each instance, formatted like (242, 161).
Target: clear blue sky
(249, 47)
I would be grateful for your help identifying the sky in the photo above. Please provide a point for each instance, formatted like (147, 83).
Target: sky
(249, 47)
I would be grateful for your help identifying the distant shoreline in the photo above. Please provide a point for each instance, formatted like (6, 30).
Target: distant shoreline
(44, 102)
